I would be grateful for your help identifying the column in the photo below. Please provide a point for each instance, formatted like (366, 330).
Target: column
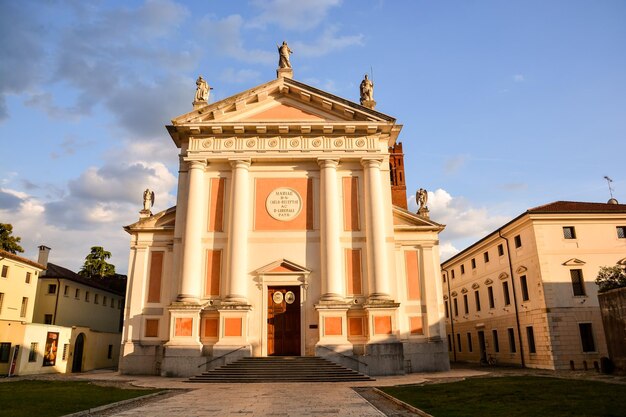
(238, 232)
(191, 280)
(434, 293)
(331, 253)
(375, 223)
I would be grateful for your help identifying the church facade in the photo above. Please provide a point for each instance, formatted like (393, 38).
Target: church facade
(285, 240)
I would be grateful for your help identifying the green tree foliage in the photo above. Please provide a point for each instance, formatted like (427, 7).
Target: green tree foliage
(96, 265)
(611, 277)
(7, 242)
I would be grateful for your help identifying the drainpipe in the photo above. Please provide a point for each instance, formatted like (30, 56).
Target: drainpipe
(56, 303)
(519, 329)
(449, 312)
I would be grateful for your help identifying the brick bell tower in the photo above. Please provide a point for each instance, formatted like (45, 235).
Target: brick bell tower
(396, 174)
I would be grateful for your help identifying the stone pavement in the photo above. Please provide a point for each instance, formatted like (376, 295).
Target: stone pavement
(274, 399)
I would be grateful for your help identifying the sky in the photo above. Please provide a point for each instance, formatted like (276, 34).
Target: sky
(505, 105)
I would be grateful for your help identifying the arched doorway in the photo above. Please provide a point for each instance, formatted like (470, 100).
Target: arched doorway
(77, 363)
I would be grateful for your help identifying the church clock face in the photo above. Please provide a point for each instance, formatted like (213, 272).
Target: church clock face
(283, 204)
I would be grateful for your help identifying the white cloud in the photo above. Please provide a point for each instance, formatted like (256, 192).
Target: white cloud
(519, 78)
(447, 250)
(454, 164)
(231, 75)
(327, 42)
(301, 15)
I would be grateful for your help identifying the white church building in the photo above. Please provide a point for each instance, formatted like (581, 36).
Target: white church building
(290, 237)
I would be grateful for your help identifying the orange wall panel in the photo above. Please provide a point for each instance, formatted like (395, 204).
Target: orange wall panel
(417, 326)
(263, 188)
(232, 326)
(183, 326)
(412, 275)
(382, 325)
(216, 205)
(210, 327)
(152, 328)
(154, 282)
(332, 326)
(351, 204)
(213, 272)
(355, 326)
(353, 271)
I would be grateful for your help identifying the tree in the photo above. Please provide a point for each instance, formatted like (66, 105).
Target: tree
(95, 265)
(611, 277)
(7, 242)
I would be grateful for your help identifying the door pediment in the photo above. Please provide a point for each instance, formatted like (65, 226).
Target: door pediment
(282, 266)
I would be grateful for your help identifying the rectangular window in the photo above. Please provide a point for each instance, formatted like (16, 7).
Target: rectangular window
(518, 241)
(66, 290)
(452, 274)
(5, 350)
(447, 312)
(524, 286)
(473, 263)
(47, 319)
(104, 300)
(505, 292)
(110, 352)
(465, 304)
(569, 232)
(621, 232)
(87, 296)
(449, 344)
(462, 269)
(112, 303)
(496, 342)
(477, 299)
(28, 277)
(5, 271)
(469, 342)
(32, 355)
(52, 288)
(156, 275)
(586, 337)
(458, 342)
(96, 298)
(1, 300)
(119, 304)
(77, 293)
(456, 307)
(530, 335)
(24, 307)
(578, 283)
(443, 277)
(486, 257)
(500, 250)
(512, 347)
(492, 302)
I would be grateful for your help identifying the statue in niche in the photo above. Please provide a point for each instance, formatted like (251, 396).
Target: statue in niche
(202, 90)
(367, 90)
(422, 197)
(148, 200)
(283, 55)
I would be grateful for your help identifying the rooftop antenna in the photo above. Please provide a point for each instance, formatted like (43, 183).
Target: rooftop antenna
(609, 181)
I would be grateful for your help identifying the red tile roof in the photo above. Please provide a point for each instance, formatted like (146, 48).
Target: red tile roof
(9, 255)
(578, 207)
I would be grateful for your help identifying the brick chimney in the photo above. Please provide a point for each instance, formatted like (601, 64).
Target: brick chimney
(44, 251)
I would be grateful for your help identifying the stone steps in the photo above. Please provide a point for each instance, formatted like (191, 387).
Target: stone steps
(281, 369)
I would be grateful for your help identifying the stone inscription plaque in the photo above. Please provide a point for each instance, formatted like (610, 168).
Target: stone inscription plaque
(283, 204)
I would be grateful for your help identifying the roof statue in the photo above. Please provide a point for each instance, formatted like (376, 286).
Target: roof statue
(367, 93)
(284, 65)
(422, 199)
(148, 202)
(202, 92)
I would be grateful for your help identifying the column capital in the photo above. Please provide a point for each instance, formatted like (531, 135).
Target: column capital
(240, 163)
(328, 162)
(371, 162)
(195, 163)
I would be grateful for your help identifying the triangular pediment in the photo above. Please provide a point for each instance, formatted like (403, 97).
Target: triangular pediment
(163, 220)
(573, 262)
(405, 220)
(282, 266)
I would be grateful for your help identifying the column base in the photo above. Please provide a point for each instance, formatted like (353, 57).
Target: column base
(188, 299)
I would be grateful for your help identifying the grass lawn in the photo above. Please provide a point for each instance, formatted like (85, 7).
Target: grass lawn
(516, 396)
(57, 398)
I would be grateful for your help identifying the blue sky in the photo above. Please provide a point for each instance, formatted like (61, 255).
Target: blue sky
(506, 105)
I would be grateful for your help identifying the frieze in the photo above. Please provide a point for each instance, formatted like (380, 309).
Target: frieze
(279, 143)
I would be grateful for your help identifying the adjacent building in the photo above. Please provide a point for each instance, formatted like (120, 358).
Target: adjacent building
(289, 237)
(525, 294)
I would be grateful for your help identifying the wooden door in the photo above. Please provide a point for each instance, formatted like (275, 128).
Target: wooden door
(283, 321)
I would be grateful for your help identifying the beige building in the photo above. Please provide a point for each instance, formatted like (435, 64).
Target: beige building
(284, 241)
(79, 340)
(525, 294)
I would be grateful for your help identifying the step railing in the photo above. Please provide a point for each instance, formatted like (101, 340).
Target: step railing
(220, 357)
(345, 356)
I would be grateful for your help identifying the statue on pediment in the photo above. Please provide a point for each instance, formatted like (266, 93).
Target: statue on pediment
(367, 90)
(422, 199)
(148, 200)
(202, 90)
(283, 55)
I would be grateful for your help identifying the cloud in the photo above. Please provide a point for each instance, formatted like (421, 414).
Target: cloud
(454, 164)
(518, 78)
(327, 42)
(9, 201)
(447, 250)
(301, 15)
(231, 75)
(227, 39)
